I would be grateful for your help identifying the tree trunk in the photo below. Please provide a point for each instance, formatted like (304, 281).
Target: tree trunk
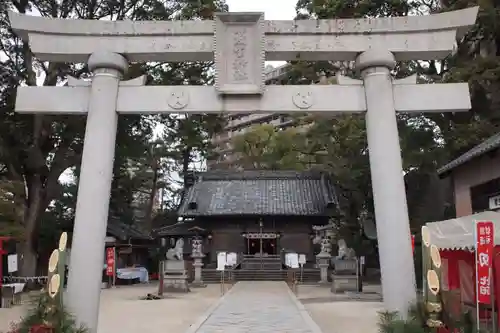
(31, 217)
(152, 196)
(186, 159)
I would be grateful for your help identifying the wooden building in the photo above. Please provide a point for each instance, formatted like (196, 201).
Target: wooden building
(255, 213)
(476, 178)
(132, 244)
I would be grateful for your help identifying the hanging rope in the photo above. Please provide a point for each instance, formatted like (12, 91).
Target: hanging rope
(12, 279)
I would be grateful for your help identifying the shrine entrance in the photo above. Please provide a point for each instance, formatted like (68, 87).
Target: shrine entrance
(239, 44)
(261, 244)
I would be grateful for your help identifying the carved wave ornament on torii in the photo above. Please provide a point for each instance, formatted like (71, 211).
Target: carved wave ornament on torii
(240, 43)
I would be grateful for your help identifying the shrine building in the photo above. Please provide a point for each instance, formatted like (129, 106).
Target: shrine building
(475, 176)
(255, 213)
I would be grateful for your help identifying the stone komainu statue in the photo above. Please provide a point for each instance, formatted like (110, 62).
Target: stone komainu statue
(317, 238)
(344, 252)
(176, 253)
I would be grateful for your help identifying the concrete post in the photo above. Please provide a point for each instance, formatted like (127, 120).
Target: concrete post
(87, 251)
(323, 263)
(198, 264)
(389, 195)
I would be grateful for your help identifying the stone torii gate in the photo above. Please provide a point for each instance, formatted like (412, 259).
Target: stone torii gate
(240, 43)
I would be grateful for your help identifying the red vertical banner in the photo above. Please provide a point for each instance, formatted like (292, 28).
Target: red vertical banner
(485, 239)
(110, 261)
(2, 253)
(413, 243)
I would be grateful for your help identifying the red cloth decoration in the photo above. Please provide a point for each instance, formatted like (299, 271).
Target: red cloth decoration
(453, 257)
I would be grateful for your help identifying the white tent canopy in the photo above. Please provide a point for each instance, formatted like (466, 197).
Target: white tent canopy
(458, 233)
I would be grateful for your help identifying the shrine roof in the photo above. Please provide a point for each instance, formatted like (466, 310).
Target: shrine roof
(259, 192)
(484, 147)
(125, 231)
(183, 228)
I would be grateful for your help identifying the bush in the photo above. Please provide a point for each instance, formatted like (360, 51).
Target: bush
(46, 316)
(391, 322)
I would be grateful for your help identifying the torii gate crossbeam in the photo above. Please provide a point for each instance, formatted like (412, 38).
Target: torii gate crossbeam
(240, 43)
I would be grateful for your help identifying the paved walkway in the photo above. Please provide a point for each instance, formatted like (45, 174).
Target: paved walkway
(122, 311)
(337, 313)
(257, 307)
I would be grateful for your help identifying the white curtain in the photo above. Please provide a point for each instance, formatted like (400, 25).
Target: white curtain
(444, 275)
(467, 282)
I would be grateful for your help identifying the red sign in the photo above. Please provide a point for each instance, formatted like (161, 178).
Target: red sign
(2, 252)
(110, 261)
(412, 243)
(485, 238)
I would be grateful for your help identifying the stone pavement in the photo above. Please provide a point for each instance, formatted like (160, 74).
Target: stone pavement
(122, 311)
(341, 313)
(268, 306)
(257, 307)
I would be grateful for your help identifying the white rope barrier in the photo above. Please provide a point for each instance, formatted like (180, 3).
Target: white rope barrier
(38, 279)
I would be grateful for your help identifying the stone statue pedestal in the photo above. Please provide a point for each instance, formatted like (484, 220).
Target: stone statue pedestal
(198, 264)
(175, 277)
(323, 263)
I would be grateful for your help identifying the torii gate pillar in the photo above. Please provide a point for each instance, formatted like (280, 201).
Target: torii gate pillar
(389, 195)
(94, 186)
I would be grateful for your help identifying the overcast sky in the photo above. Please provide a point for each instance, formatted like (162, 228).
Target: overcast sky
(273, 9)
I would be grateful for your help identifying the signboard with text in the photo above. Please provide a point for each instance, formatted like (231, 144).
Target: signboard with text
(110, 261)
(221, 261)
(12, 263)
(494, 202)
(485, 239)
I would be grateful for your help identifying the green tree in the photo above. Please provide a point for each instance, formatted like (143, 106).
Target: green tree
(430, 140)
(37, 149)
(188, 136)
(148, 162)
(265, 147)
(145, 178)
(342, 141)
(476, 61)
(11, 209)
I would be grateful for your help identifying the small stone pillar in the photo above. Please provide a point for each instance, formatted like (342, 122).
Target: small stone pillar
(198, 264)
(323, 263)
(197, 255)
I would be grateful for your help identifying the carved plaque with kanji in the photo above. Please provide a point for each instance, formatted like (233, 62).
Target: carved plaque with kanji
(239, 53)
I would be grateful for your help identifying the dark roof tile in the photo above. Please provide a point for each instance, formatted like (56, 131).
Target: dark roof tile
(259, 192)
(179, 228)
(479, 150)
(125, 231)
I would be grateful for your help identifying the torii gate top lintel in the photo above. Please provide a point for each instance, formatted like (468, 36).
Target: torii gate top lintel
(408, 38)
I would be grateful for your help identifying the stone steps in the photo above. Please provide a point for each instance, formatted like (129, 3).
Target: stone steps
(210, 275)
(309, 275)
(265, 263)
(260, 275)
